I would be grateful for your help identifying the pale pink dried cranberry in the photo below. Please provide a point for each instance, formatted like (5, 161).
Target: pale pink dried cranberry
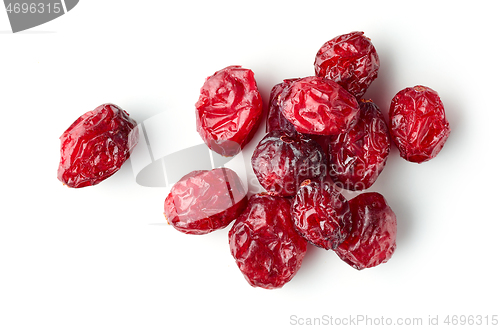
(205, 200)
(281, 162)
(321, 214)
(372, 240)
(357, 157)
(350, 60)
(96, 145)
(229, 110)
(276, 120)
(264, 243)
(319, 106)
(418, 123)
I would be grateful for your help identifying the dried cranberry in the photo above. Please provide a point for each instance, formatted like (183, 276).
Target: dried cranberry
(321, 214)
(276, 120)
(205, 200)
(418, 123)
(281, 162)
(264, 243)
(96, 145)
(229, 110)
(372, 240)
(357, 157)
(350, 60)
(319, 106)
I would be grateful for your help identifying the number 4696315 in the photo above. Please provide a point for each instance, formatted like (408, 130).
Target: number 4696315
(34, 8)
(471, 320)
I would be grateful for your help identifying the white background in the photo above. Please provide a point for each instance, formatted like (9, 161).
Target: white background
(104, 257)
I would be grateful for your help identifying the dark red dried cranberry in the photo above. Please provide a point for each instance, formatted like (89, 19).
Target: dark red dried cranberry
(321, 214)
(319, 106)
(372, 240)
(281, 162)
(276, 120)
(264, 243)
(205, 200)
(357, 157)
(350, 60)
(418, 123)
(229, 110)
(96, 145)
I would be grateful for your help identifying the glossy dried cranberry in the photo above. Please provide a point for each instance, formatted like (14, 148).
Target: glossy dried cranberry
(356, 158)
(372, 240)
(264, 243)
(276, 120)
(319, 106)
(418, 123)
(229, 110)
(281, 162)
(96, 145)
(205, 200)
(321, 214)
(350, 60)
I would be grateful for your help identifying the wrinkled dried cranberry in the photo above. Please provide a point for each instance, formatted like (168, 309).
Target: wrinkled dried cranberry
(350, 60)
(205, 200)
(418, 123)
(264, 243)
(276, 120)
(281, 162)
(321, 214)
(96, 145)
(229, 110)
(372, 240)
(319, 106)
(356, 158)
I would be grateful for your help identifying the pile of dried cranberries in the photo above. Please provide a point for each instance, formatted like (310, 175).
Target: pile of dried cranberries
(321, 138)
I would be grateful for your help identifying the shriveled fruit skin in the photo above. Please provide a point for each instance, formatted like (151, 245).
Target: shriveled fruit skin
(276, 120)
(372, 240)
(418, 123)
(264, 243)
(318, 106)
(96, 145)
(205, 200)
(357, 157)
(321, 214)
(229, 110)
(350, 60)
(281, 162)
